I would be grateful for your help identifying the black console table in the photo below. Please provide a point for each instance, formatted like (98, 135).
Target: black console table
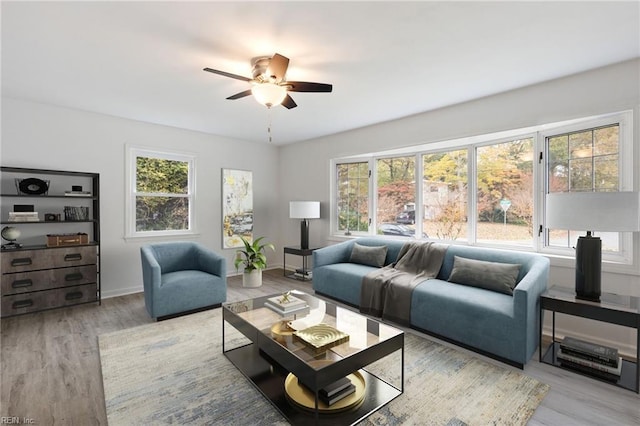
(612, 309)
(298, 251)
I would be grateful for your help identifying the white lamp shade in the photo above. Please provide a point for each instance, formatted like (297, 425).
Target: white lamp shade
(269, 94)
(594, 211)
(304, 209)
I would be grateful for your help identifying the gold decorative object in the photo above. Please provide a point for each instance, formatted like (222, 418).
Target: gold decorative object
(300, 396)
(285, 298)
(321, 337)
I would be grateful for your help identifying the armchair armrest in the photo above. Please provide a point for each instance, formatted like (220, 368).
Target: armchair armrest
(151, 271)
(211, 262)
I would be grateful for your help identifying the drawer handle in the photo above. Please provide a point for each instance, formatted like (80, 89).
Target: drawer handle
(22, 283)
(77, 276)
(22, 304)
(73, 295)
(21, 261)
(71, 257)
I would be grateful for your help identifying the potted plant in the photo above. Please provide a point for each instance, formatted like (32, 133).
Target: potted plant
(254, 260)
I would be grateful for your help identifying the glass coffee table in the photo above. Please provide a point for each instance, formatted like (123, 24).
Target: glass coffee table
(276, 353)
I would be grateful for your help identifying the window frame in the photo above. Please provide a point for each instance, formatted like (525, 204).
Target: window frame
(131, 193)
(623, 261)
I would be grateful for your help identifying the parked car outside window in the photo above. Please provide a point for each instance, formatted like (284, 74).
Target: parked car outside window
(398, 230)
(407, 217)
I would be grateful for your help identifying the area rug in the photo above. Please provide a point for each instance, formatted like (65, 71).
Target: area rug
(173, 372)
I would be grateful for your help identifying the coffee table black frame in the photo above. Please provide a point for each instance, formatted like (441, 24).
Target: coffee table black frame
(266, 363)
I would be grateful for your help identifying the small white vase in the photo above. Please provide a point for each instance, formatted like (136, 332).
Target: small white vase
(252, 278)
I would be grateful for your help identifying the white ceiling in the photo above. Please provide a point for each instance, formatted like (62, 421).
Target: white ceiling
(386, 60)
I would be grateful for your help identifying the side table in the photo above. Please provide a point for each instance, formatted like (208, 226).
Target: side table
(612, 309)
(303, 274)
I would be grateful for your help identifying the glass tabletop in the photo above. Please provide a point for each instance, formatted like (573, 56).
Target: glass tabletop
(321, 319)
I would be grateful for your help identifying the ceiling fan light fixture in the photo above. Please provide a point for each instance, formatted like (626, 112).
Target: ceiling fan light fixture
(269, 94)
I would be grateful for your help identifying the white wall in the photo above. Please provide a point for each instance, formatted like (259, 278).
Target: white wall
(43, 136)
(604, 90)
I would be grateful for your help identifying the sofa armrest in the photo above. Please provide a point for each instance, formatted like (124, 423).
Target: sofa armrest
(337, 253)
(527, 302)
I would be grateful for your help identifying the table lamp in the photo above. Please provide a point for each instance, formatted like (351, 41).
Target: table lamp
(304, 210)
(595, 211)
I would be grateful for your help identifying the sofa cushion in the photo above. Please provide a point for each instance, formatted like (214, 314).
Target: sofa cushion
(368, 255)
(494, 276)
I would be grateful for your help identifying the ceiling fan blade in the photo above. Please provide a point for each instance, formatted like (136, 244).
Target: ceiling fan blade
(278, 66)
(227, 74)
(288, 102)
(240, 95)
(305, 86)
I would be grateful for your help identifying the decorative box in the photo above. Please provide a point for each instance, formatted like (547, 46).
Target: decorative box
(60, 240)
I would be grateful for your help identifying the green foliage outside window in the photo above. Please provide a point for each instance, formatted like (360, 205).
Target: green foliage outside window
(162, 188)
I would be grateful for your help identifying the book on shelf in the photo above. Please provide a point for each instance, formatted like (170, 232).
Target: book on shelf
(291, 303)
(345, 392)
(300, 310)
(590, 371)
(595, 365)
(603, 354)
(303, 271)
(77, 193)
(333, 388)
(306, 276)
(23, 217)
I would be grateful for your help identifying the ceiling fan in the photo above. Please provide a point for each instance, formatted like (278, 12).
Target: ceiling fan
(269, 86)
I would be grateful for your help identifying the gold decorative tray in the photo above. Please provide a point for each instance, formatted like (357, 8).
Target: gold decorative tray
(321, 337)
(301, 397)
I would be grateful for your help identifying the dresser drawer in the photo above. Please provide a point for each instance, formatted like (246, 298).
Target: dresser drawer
(47, 299)
(33, 260)
(24, 282)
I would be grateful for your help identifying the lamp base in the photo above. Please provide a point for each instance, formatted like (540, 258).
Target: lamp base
(304, 234)
(588, 268)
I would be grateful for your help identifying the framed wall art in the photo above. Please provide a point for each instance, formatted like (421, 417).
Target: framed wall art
(237, 207)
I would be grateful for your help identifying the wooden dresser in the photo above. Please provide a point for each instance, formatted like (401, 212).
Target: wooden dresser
(35, 279)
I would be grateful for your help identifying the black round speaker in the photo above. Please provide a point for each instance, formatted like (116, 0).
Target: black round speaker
(33, 186)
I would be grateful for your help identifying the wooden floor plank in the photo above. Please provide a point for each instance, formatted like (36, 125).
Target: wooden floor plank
(50, 365)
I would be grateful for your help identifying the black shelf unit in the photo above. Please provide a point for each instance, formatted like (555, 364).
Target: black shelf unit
(91, 225)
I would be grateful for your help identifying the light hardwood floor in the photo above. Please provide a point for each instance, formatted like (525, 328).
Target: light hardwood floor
(50, 366)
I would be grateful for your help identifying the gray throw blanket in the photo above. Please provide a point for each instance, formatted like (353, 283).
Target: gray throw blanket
(386, 292)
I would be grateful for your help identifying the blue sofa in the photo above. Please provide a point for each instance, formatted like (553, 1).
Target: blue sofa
(181, 277)
(503, 326)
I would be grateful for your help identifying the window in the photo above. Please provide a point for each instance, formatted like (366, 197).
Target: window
(586, 160)
(504, 200)
(160, 201)
(489, 189)
(444, 195)
(396, 196)
(352, 201)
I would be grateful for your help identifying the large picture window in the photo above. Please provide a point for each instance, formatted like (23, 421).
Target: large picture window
(489, 189)
(161, 193)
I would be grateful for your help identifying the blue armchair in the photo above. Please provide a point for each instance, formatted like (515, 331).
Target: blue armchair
(181, 277)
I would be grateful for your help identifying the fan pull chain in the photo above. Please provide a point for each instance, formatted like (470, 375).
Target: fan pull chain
(269, 124)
